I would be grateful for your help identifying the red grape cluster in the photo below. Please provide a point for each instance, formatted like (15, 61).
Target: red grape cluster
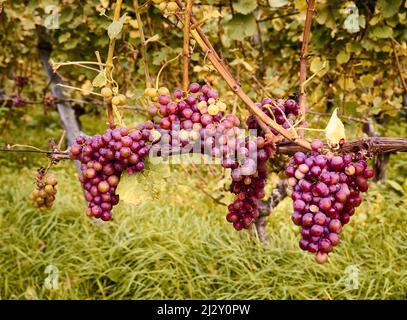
(284, 112)
(326, 189)
(249, 181)
(198, 109)
(103, 159)
(197, 118)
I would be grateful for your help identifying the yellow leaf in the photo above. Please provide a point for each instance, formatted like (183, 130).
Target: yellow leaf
(87, 87)
(335, 130)
(99, 80)
(133, 23)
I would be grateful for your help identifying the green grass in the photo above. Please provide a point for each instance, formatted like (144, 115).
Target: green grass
(180, 247)
(176, 244)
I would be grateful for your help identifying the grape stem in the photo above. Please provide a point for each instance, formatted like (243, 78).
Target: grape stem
(60, 154)
(371, 146)
(109, 64)
(302, 100)
(185, 49)
(143, 43)
(399, 69)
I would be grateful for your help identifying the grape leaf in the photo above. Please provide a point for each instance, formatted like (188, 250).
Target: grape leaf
(382, 32)
(244, 6)
(241, 26)
(342, 57)
(242, 62)
(116, 27)
(100, 80)
(367, 80)
(277, 3)
(389, 8)
(335, 130)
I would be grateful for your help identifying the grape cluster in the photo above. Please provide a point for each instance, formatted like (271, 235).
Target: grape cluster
(193, 117)
(103, 159)
(44, 195)
(198, 117)
(284, 113)
(325, 189)
(248, 182)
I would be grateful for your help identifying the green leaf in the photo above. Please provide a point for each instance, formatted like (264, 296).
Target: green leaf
(99, 80)
(395, 185)
(116, 27)
(277, 3)
(342, 57)
(245, 6)
(241, 26)
(389, 7)
(64, 37)
(382, 32)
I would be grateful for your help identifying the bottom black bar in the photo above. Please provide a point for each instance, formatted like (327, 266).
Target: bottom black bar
(197, 309)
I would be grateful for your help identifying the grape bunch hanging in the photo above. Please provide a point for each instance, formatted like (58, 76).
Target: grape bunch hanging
(43, 196)
(325, 189)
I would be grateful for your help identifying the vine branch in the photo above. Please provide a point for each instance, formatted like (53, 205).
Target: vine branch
(143, 43)
(399, 69)
(303, 63)
(109, 64)
(185, 50)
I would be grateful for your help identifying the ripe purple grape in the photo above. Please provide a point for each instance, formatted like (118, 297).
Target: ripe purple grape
(326, 189)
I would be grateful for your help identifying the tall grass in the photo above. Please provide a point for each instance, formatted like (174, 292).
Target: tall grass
(179, 246)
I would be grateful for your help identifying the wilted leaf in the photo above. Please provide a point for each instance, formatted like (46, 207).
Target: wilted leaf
(244, 6)
(116, 27)
(277, 3)
(100, 80)
(335, 130)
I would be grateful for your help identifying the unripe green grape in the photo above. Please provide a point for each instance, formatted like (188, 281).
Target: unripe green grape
(172, 6)
(162, 6)
(163, 91)
(106, 92)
